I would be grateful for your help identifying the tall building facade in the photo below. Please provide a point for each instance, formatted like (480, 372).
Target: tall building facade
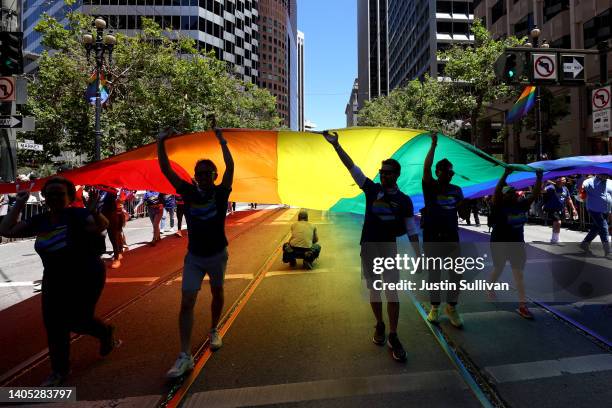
(372, 49)
(352, 107)
(228, 27)
(278, 51)
(573, 24)
(418, 29)
(300, 80)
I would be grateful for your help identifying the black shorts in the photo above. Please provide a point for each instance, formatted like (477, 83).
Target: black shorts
(553, 215)
(371, 253)
(513, 252)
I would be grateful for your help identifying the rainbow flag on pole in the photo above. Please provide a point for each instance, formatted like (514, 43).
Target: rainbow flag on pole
(523, 105)
(90, 92)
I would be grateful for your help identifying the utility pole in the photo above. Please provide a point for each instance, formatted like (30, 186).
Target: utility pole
(9, 22)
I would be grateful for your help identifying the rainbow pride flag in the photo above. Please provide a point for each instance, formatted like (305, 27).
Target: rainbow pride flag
(90, 92)
(523, 104)
(295, 168)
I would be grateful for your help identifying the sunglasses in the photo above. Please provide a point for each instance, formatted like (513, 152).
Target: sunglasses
(206, 173)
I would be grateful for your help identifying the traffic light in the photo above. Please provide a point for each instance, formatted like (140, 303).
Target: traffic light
(510, 67)
(11, 55)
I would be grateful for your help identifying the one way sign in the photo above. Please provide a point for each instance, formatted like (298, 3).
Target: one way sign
(573, 67)
(11, 122)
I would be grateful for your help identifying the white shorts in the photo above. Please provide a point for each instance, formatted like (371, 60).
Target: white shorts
(196, 267)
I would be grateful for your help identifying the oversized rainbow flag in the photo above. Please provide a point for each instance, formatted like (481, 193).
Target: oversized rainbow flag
(90, 92)
(523, 104)
(294, 168)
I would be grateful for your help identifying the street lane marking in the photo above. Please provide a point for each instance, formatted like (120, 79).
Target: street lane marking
(327, 389)
(227, 277)
(224, 326)
(551, 368)
(149, 280)
(15, 284)
(296, 272)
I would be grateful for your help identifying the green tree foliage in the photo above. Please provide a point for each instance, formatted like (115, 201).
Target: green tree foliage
(432, 103)
(157, 78)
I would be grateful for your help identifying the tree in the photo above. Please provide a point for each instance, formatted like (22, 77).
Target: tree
(472, 68)
(157, 78)
(433, 103)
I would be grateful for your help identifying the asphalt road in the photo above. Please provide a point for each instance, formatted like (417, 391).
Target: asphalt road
(303, 338)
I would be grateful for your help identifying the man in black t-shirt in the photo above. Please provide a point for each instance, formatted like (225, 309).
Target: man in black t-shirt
(509, 215)
(441, 228)
(389, 214)
(205, 206)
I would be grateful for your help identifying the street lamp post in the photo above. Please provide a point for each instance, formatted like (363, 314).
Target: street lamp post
(102, 44)
(535, 35)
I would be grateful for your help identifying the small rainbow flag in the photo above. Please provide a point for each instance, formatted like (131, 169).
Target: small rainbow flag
(523, 105)
(90, 92)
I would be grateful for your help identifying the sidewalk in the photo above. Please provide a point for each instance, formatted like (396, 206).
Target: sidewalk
(20, 265)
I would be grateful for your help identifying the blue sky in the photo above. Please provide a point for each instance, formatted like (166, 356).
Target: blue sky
(330, 28)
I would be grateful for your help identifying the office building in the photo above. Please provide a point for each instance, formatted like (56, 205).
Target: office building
(300, 81)
(372, 53)
(228, 27)
(352, 107)
(278, 52)
(418, 29)
(564, 24)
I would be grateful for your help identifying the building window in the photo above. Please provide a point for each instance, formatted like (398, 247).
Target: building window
(554, 7)
(498, 11)
(523, 27)
(597, 29)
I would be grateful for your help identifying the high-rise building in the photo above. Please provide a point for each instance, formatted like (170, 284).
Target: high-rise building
(300, 81)
(352, 107)
(229, 27)
(563, 24)
(372, 52)
(418, 29)
(278, 53)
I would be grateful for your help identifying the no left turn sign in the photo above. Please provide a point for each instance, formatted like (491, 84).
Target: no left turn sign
(7, 89)
(545, 66)
(601, 98)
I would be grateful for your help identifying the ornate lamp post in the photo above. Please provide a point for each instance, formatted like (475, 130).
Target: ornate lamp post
(101, 45)
(535, 35)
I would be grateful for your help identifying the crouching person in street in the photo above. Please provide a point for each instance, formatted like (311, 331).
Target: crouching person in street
(303, 243)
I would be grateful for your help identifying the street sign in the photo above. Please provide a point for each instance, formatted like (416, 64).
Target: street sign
(573, 67)
(28, 141)
(30, 146)
(7, 89)
(11, 121)
(601, 120)
(545, 66)
(601, 98)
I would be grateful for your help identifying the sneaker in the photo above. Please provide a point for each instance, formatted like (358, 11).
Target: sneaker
(308, 265)
(434, 315)
(398, 352)
(110, 343)
(182, 365)
(54, 380)
(585, 247)
(453, 316)
(215, 340)
(379, 334)
(524, 312)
